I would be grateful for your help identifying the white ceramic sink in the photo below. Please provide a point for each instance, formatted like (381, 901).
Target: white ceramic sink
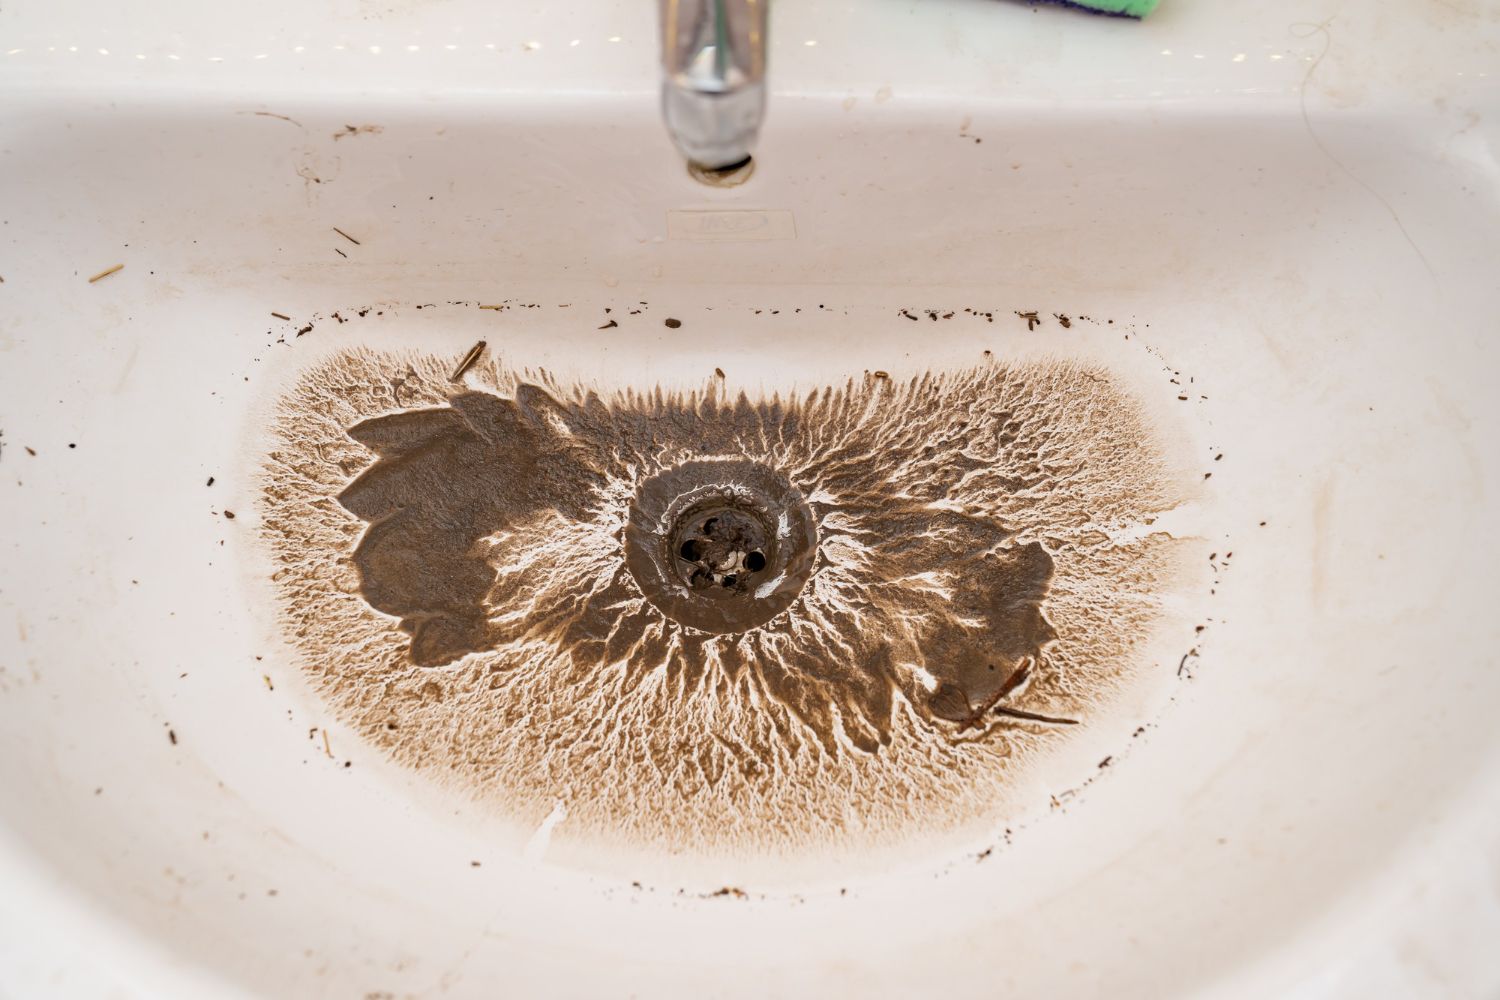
(1261, 244)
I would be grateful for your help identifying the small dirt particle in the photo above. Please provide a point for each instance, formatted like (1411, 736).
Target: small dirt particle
(671, 324)
(729, 890)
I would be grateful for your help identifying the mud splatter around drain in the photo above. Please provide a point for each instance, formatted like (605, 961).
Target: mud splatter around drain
(718, 623)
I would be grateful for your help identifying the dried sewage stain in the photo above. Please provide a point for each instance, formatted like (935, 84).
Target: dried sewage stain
(714, 624)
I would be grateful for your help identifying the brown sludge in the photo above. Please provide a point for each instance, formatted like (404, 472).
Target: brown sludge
(455, 566)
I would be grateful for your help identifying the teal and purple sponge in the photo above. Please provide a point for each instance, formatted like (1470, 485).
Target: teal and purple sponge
(1120, 8)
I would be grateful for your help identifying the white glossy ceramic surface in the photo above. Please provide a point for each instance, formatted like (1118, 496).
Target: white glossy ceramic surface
(1296, 203)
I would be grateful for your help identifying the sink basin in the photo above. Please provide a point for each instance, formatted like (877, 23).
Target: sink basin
(1133, 381)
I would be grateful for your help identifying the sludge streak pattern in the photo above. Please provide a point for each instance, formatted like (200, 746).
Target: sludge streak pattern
(452, 565)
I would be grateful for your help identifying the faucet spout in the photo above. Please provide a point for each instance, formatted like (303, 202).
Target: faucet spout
(713, 92)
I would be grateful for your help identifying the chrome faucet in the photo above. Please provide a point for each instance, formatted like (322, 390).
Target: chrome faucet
(713, 91)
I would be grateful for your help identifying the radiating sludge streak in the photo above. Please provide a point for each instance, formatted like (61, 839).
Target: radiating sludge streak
(711, 623)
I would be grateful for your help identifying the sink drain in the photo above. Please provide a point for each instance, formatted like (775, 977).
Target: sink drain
(720, 546)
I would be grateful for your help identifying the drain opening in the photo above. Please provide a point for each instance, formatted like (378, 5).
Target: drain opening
(724, 544)
(729, 175)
